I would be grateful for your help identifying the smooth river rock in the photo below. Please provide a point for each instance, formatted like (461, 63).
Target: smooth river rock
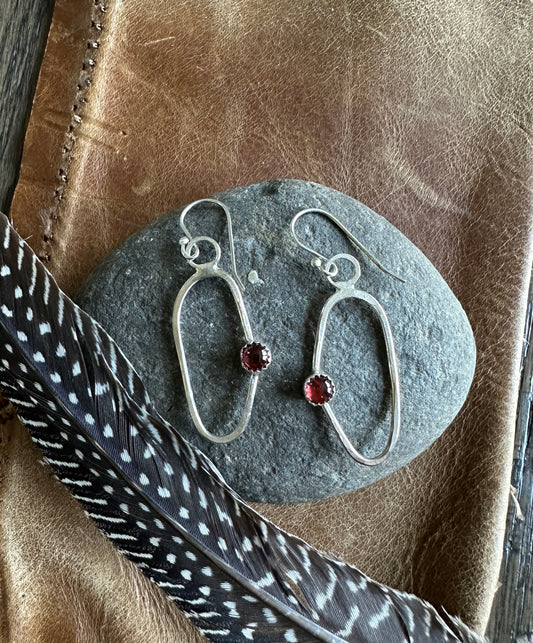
(289, 452)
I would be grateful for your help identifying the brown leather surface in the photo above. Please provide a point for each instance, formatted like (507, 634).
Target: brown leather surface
(418, 109)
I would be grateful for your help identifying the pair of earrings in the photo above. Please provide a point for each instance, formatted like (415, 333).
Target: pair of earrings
(255, 356)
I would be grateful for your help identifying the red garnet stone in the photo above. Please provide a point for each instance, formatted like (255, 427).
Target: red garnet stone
(255, 357)
(319, 389)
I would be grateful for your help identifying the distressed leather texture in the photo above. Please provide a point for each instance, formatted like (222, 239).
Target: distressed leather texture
(421, 110)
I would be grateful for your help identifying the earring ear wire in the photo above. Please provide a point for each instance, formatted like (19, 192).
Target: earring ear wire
(319, 388)
(255, 356)
(193, 250)
(319, 259)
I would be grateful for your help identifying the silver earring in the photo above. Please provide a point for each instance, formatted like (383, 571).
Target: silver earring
(254, 356)
(319, 387)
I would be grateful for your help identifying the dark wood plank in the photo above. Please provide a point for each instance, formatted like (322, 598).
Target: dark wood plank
(512, 612)
(24, 27)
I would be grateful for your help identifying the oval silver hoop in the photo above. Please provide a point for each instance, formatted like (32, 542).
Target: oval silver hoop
(212, 270)
(394, 433)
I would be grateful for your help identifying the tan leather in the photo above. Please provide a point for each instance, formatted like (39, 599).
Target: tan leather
(418, 109)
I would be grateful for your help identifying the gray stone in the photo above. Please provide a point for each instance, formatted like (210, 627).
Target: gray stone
(289, 452)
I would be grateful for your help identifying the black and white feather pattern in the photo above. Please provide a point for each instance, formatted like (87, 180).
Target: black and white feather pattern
(161, 501)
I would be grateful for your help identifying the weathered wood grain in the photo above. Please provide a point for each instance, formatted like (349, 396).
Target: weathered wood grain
(512, 612)
(24, 27)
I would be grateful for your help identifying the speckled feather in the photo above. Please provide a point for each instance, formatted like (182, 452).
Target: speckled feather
(161, 501)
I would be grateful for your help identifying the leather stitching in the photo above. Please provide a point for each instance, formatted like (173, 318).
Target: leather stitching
(98, 14)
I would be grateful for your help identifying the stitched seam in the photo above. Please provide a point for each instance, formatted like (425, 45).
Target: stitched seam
(98, 12)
